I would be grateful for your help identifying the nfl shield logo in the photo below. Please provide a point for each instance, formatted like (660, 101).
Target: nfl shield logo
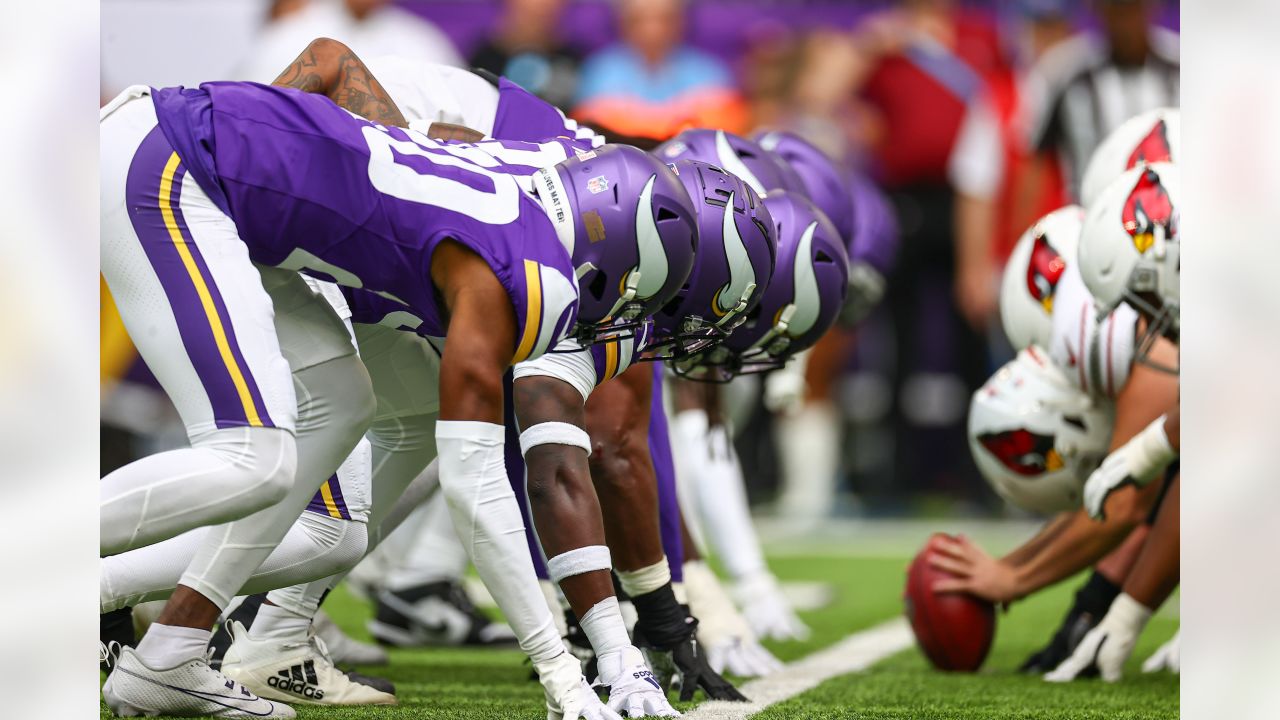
(597, 184)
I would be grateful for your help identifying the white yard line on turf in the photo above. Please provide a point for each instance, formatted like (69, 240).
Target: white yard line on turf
(858, 651)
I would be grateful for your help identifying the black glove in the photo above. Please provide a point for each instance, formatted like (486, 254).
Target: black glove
(682, 664)
(696, 673)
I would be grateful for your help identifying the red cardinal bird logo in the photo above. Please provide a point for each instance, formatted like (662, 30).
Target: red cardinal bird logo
(1147, 208)
(1154, 147)
(1044, 271)
(1022, 451)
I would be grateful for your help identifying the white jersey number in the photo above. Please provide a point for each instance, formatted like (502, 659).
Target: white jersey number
(447, 188)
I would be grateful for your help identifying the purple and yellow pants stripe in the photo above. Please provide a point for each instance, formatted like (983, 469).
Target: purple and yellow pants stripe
(328, 500)
(154, 196)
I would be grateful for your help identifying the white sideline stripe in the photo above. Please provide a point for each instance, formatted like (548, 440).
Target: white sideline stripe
(858, 651)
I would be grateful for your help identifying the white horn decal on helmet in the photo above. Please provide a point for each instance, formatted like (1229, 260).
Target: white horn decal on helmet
(732, 164)
(807, 298)
(731, 299)
(651, 267)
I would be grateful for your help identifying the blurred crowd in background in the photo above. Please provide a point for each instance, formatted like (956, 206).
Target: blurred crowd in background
(975, 118)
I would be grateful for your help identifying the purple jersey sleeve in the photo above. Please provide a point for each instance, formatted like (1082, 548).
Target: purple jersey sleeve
(612, 358)
(524, 116)
(314, 188)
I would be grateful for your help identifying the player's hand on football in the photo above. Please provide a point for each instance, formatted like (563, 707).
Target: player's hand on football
(741, 656)
(767, 610)
(976, 572)
(1167, 657)
(1137, 462)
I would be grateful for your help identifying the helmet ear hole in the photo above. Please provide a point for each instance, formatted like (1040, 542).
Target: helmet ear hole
(597, 285)
(666, 214)
(823, 257)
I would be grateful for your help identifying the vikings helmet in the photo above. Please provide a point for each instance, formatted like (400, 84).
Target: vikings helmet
(1130, 249)
(757, 167)
(634, 233)
(1034, 436)
(824, 183)
(737, 245)
(1151, 137)
(799, 305)
(873, 248)
(1031, 276)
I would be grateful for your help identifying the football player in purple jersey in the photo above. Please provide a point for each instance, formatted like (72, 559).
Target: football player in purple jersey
(354, 212)
(579, 428)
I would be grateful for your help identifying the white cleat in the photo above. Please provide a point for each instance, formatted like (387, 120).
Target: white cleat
(298, 671)
(190, 689)
(633, 690)
(344, 649)
(567, 693)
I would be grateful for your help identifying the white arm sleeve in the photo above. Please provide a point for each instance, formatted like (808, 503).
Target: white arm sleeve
(473, 476)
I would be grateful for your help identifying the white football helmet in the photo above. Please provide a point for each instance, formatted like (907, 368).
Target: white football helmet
(1035, 437)
(1031, 276)
(1130, 250)
(1151, 137)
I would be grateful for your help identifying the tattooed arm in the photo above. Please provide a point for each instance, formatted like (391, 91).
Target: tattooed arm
(328, 67)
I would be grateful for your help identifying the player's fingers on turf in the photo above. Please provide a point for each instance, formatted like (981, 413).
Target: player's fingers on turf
(687, 687)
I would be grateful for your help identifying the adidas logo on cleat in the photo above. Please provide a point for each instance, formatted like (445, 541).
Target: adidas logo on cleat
(299, 680)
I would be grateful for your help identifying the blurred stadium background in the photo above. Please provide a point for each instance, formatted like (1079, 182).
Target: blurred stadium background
(954, 108)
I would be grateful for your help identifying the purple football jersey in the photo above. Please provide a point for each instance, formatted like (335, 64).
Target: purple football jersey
(522, 115)
(317, 189)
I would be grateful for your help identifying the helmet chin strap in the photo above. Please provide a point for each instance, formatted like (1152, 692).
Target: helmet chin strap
(629, 288)
(780, 327)
(738, 308)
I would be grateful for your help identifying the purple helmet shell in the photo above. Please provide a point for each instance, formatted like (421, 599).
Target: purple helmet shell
(808, 288)
(823, 181)
(634, 234)
(875, 225)
(762, 170)
(734, 262)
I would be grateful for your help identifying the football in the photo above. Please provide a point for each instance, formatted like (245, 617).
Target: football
(954, 630)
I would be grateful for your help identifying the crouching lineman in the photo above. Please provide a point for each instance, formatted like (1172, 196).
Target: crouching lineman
(504, 296)
(1130, 252)
(732, 267)
(1045, 302)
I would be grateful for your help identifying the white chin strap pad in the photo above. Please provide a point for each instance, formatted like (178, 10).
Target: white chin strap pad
(578, 561)
(554, 433)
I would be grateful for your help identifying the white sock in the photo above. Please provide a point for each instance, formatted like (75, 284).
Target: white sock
(604, 627)
(167, 646)
(277, 623)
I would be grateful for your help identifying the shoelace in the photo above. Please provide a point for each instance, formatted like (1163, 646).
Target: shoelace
(109, 653)
(317, 646)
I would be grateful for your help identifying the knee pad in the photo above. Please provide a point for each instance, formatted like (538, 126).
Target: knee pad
(339, 544)
(261, 463)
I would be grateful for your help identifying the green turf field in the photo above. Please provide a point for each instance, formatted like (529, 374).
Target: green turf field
(475, 684)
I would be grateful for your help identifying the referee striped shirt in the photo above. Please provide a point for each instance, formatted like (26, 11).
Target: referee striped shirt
(1077, 96)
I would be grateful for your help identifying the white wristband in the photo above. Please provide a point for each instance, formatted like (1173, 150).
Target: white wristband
(554, 433)
(578, 561)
